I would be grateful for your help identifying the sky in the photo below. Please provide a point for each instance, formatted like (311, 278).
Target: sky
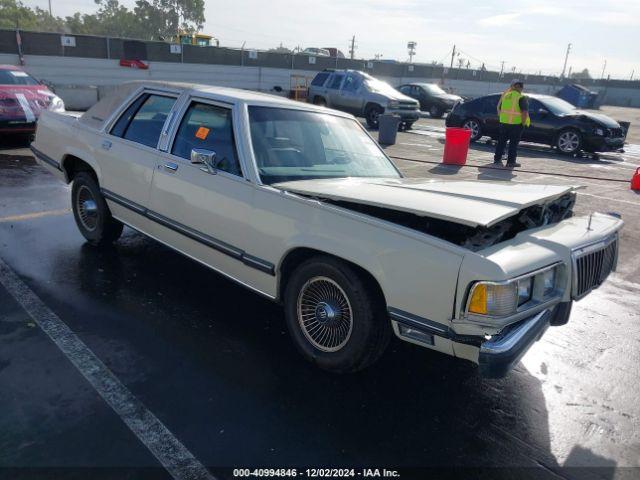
(529, 36)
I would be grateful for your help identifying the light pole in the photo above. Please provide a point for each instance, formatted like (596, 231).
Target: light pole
(412, 50)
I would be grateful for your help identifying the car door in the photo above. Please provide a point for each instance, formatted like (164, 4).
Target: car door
(128, 152)
(489, 115)
(351, 98)
(200, 212)
(543, 123)
(333, 91)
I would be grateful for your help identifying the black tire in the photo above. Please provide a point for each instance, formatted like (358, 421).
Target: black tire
(569, 141)
(320, 101)
(476, 132)
(93, 220)
(371, 113)
(369, 327)
(435, 112)
(408, 125)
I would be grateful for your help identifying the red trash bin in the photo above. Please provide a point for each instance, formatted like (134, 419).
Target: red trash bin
(456, 146)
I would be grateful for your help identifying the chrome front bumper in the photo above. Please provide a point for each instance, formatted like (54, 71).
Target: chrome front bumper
(499, 354)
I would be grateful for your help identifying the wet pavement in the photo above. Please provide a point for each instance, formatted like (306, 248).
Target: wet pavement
(214, 364)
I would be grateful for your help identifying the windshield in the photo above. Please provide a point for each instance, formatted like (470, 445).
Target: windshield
(433, 88)
(378, 86)
(557, 106)
(300, 145)
(16, 77)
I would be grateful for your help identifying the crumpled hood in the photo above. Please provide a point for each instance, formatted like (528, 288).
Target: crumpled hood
(24, 101)
(468, 203)
(600, 118)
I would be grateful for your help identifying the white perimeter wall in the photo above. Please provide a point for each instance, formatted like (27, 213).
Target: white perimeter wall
(82, 81)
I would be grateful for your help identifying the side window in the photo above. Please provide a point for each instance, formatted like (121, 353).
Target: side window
(352, 83)
(209, 127)
(148, 120)
(121, 125)
(406, 89)
(320, 79)
(534, 106)
(336, 81)
(490, 104)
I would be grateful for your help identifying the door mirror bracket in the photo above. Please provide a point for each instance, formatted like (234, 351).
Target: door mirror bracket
(202, 156)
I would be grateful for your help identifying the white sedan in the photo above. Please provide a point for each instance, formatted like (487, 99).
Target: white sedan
(299, 204)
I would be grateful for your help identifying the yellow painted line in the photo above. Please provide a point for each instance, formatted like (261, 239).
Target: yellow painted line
(31, 216)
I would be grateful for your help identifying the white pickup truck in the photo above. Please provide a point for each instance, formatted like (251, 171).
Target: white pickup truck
(298, 203)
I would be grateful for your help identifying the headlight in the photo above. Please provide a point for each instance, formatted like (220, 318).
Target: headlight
(599, 131)
(525, 288)
(548, 282)
(56, 105)
(393, 104)
(502, 299)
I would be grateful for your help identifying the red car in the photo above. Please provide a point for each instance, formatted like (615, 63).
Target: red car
(22, 98)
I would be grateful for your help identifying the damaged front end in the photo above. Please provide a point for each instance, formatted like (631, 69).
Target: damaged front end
(471, 238)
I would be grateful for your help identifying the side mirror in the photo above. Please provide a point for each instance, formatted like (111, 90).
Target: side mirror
(542, 112)
(202, 156)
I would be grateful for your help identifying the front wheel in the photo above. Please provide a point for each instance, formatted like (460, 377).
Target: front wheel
(569, 142)
(91, 212)
(473, 124)
(371, 114)
(336, 319)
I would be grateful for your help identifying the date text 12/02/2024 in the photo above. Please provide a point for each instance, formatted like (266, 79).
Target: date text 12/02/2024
(316, 472)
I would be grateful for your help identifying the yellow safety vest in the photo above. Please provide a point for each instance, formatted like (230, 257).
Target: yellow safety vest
(509, 105)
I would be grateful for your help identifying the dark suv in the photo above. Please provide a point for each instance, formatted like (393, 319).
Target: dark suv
(362, 95)
(432, 98)
(554, 122)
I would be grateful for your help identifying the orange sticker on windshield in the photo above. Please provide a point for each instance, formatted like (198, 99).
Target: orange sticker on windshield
(202, 133)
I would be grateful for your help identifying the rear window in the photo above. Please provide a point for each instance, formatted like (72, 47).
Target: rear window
(16, 77)
(320, 79)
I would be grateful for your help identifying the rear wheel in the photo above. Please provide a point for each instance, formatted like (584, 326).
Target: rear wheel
(473, 124)
(335, 318)
(372, 113)
(91, 212)
(320, 101)
(408, 125)
(569, 141)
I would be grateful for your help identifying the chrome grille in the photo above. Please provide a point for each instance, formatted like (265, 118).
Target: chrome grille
(593, 264)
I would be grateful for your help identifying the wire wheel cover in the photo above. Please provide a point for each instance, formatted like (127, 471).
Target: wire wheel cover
(324, 314)
(87, 208)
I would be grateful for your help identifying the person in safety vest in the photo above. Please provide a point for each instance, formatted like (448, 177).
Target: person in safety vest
(513, 111)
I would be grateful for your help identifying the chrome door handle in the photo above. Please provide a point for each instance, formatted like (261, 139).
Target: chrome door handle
(172, 167)
(106, 144)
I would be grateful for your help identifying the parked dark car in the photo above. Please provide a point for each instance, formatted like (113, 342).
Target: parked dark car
(554, 122)
(432, 98)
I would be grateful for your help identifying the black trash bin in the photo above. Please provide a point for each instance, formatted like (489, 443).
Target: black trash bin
(388, 128)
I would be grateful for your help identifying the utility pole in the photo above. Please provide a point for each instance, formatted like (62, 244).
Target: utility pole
(50, 14)
(501, 69)
(632, 72)
(453, 55)
(603, 69)
(352, 50)
(566, 57)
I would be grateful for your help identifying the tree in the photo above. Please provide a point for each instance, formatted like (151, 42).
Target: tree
(167, 17)
(149, 19)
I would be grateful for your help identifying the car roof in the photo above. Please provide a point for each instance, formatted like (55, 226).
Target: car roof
(97, 115)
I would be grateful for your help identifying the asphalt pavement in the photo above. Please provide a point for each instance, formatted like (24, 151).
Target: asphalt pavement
(108, 356)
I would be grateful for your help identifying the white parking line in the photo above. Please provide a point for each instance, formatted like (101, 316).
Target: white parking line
(169, 451)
